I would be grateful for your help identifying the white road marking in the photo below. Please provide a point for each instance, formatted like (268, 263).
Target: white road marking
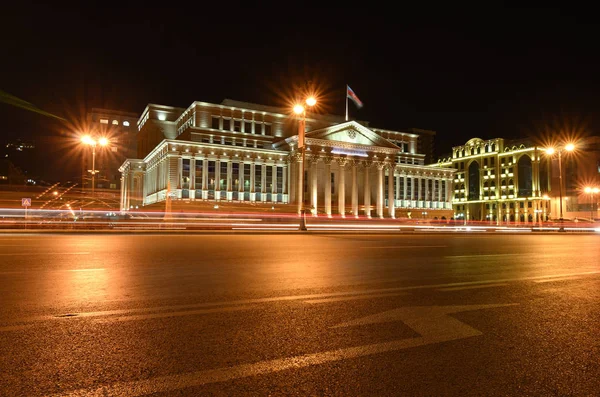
(551, 280)
(480, 255)
(87, 270)
(295, 297)
(348, 298)
(432, 323)
(406, 246)
(173, 314)
(15, 327)
(473, 287)
(44, 253)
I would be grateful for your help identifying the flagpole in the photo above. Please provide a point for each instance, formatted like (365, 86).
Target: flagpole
(346, 102)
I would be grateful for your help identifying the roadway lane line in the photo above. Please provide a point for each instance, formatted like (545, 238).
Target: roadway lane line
(294, 298)
(480, 256)
(43, 253)
(407, 246)
(86, 270)
(473, 287)
(349, 298)
(172, 314)
(15, 327)
(551, 280)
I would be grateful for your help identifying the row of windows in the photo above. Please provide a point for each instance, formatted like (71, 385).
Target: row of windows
(237, 125)
(470, 151)
(115, 122)
(219, 140)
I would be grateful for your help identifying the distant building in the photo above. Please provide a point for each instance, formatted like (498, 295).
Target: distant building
(499, 181)
(18, 161)
(120, 129)
(244, 152)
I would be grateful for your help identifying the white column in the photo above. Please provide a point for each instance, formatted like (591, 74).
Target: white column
(328, 186)
(179, 172)
(205, 178)
(229, 180)
(274, 183)
(313, 190)
(354, 166)
(218, 179)
(398, 193)
(241, 181)
(405, 191)
(252, 176)
(426, 193)
(284, 185)
(192, 187)
(367, 192)
(342, 188)
(420, 191)
(263, 182)
(380, 191)
(391, 202)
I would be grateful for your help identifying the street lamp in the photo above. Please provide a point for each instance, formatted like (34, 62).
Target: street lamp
(88, 140)
(551, 151)
(592, 191)
(301, 110)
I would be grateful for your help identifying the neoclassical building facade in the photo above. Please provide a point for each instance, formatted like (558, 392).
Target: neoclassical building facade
(500, 181)
(248, 153)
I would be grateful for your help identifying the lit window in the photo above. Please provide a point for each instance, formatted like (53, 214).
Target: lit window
(125, 123)
(115, 122)
(114, 148)
(103, 121)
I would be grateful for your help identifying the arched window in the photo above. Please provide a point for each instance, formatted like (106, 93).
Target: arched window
(474, 181)
(525, 175)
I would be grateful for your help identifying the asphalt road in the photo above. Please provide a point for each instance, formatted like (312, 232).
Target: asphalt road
(300, 314)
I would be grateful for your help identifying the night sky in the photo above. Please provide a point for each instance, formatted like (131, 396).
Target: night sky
(486, 72)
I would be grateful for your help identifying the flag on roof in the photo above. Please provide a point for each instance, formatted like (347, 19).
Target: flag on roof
(350, 94)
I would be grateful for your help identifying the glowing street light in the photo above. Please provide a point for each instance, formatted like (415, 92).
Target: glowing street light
(551, 151)
(88, 140)
(301, 110)
(592, 190)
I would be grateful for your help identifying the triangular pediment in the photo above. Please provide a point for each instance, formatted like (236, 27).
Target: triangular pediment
(351, 133)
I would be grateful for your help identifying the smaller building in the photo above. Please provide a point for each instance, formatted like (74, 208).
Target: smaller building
(498, 181)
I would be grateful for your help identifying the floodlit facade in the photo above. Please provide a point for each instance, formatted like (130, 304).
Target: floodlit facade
(500, 181)
(248, 153)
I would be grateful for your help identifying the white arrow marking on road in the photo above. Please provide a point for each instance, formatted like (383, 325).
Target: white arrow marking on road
(432, 322)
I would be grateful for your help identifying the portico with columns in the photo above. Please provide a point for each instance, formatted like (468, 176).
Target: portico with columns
(351, 171)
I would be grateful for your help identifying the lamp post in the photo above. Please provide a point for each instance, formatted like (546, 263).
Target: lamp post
(301, 110)
(87, 140)
(592, 191)
(551, 151)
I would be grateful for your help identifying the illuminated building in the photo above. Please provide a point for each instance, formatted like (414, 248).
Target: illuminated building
(498, 181)
(243, 152)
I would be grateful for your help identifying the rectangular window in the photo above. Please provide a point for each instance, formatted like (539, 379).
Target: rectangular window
(247, 127)
(103, 121)
(267, 129)
(223, 176)
(269, 179)
(215, 122)
(199, 174)
(228, 141)
(247, 178)
(226, 124)
(211, 179)
(185, 174)
(257, 177)
(237, 125)
(258, 128)
(279, 180)
(235, 173)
